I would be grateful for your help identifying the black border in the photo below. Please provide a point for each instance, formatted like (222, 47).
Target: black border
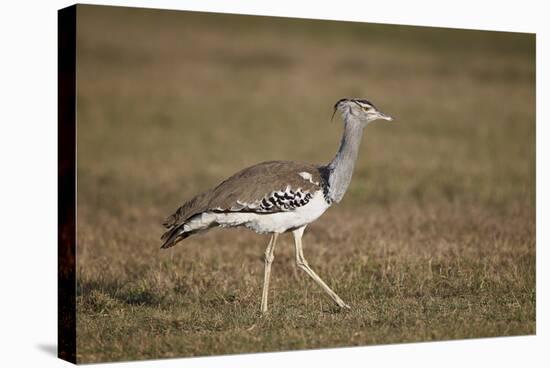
(66, 188)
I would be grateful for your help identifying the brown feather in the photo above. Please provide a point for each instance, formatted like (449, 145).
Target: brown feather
(248, 186)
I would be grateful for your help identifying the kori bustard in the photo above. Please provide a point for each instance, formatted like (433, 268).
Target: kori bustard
(279, 196)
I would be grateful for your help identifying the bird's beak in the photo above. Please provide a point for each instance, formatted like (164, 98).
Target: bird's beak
(383, 116)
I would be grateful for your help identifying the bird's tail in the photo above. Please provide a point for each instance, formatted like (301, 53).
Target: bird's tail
(195, 224)
(175, 235)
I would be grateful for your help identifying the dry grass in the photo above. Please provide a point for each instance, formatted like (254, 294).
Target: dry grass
(434, 240)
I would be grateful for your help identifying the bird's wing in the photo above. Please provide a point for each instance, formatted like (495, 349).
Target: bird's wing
(268, 187)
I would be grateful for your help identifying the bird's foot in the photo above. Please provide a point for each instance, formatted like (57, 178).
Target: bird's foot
(343, 305)
(337, 308)
(264, 312)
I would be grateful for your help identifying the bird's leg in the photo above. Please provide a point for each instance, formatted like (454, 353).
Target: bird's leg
(268, 258)
(303, 265)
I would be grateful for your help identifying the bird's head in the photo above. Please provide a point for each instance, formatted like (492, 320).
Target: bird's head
(360, 110)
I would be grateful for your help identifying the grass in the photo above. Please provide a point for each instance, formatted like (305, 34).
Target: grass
(434, 240)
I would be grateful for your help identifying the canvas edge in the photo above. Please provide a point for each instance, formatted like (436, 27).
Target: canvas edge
(66, 188)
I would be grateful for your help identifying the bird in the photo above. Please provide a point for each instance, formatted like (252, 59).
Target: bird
(276, 197)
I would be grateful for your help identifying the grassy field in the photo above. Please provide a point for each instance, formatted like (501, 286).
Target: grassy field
(434, 240)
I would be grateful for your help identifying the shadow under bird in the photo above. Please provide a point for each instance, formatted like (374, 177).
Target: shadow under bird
(279, 196)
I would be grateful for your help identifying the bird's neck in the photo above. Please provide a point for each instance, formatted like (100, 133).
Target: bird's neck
(341, 167)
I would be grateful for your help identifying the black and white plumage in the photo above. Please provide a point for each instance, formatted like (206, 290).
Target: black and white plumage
(278, 196)
(287, 200)
(268, 197)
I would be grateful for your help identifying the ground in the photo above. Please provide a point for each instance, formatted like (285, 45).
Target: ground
(434, 240)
